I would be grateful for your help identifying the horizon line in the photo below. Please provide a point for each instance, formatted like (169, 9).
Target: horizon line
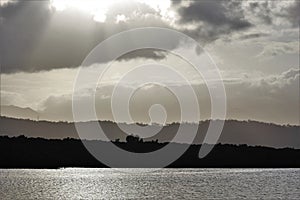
(152, 124)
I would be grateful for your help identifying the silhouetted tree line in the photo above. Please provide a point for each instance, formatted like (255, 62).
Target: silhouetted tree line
(22, 152)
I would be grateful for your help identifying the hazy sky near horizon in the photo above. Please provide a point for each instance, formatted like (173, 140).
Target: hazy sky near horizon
(255, 44)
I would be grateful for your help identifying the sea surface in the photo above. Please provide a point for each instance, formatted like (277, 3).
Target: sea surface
(81, 183)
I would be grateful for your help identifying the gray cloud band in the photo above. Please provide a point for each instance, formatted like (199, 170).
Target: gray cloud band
(125, 42)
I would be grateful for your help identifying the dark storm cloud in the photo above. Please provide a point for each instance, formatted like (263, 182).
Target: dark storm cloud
(267, 11)
(215, 13)
(253, 36)
(144, 53)
(212, 18)
(30, 41)
(21, 26)
(293, 13)
(262, 10)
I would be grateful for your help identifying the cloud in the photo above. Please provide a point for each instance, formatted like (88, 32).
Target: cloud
(250, 95)
(11, 98)
(144, 53)
(59, 107)
(35, 37)
(276, 13)
(253, 36)
(292, 13)
(272, 98)
(262, 11)
(272, 48)
(213, 18)
(4, 3)
(215, 13)
(21, 27)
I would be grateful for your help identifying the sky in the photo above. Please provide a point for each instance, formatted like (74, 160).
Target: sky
(255, 45)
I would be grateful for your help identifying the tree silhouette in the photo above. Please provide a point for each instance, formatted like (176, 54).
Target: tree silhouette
(22, 152)
(134, 139)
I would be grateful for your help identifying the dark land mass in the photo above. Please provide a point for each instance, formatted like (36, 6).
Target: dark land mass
(252, 133)
(23, 152)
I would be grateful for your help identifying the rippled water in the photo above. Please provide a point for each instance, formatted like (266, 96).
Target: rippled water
(74, 183)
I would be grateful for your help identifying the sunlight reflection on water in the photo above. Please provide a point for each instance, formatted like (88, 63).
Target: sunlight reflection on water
(74, 183)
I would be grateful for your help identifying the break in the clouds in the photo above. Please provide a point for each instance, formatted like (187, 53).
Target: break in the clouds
(44, 35)
(37, 36)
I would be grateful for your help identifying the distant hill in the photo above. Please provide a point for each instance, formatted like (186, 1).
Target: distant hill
(235, 132)
(18, 112)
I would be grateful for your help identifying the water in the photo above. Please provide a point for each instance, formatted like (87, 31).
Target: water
(76, 183)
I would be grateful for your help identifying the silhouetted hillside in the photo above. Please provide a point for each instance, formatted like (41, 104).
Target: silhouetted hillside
(22, 152)
(235, 132)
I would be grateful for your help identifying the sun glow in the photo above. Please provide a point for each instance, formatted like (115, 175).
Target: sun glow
(96, 8)
(99, 8)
